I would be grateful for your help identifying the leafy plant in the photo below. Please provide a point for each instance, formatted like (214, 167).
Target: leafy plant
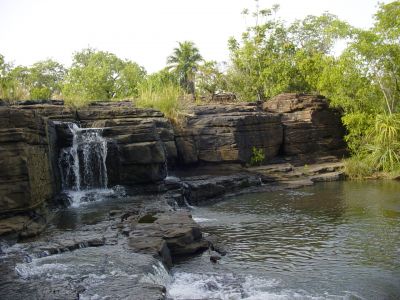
(257, 157)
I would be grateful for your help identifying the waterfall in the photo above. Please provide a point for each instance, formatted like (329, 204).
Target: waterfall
(83, 164)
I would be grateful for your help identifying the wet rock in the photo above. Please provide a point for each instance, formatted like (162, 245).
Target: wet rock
(13, 224)
(201, 188)
(215, 245)
(175, 230)
(153, 245)
(215, 258)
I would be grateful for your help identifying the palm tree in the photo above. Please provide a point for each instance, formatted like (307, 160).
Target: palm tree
(184, 62)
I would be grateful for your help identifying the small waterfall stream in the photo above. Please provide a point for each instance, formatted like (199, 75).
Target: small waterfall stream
(83, 165)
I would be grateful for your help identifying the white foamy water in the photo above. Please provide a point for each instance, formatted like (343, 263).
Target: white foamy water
(79, 198)
(231, 287)
(202, 220)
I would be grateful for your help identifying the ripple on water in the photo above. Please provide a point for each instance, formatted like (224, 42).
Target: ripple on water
(322, 241)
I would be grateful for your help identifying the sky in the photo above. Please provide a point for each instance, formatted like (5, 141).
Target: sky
(145, 31)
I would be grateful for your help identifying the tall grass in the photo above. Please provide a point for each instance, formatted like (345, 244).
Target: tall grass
(166, 97)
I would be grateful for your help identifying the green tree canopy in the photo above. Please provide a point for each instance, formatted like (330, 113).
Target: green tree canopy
(45, 79)
(273, 57)
(100, 75)
(210, 79)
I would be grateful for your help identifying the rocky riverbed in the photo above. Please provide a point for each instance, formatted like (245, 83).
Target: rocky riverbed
(95, 202)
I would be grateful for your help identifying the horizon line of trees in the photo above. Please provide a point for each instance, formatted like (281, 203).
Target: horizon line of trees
(271, 57)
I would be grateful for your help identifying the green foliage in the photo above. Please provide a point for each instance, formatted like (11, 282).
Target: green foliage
(379, 149)
(184, 62)
(160, 91)
(98, 75)
(382, 150)
(41, 81)
(45, 79)
(272, 58)
(15, 83)
(357, 125)
(209, 79)
(257, 157)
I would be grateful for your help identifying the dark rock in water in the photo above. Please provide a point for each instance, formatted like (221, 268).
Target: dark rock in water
(215, 258)
(153, 245)
(201, 188)
(177, 230)
(216, 246)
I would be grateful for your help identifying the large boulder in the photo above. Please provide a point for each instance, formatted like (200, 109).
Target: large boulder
(311, 127)
(228, 133)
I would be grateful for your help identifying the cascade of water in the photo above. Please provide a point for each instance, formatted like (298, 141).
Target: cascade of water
(83, 164)
(166, 160)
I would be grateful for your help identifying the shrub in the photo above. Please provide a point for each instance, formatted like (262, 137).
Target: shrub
(257, 157)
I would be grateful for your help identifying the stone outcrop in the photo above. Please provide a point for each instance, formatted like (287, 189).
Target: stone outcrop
(166, 235)
(141, 144)
(227, 133)
(26, 178)
(310, 126)
(140, 141)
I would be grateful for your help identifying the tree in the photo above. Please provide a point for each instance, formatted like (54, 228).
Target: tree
(45, 79)
(99, 75)
(209, 79)
(184, 62)
(262, 63)
(272, 57)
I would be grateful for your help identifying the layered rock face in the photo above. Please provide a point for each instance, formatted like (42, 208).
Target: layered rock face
(141, 140)
(26, 178)
(227, 133)
(310, 126)
(31, 136)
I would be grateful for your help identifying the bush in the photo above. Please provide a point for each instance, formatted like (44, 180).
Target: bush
(379, 151)
(257, 157)
(383, 147)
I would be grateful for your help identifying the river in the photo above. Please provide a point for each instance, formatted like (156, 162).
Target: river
(338, 240)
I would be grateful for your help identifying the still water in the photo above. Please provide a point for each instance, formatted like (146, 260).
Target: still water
(338, 240)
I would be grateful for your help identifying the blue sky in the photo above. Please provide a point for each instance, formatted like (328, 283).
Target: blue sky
(143, 31)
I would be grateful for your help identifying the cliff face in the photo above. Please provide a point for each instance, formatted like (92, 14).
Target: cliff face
(141, 142)
(227, 133)
(26, 178)
(310, 126)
